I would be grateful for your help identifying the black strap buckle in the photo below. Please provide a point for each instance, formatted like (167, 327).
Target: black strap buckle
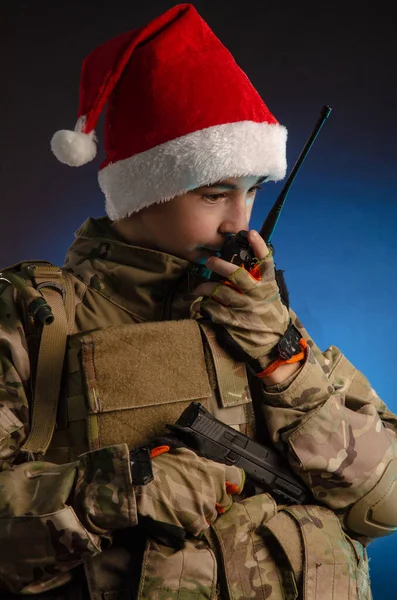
(289, 344)
(141, 466)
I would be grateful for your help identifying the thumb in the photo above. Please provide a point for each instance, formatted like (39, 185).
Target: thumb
(234, 483)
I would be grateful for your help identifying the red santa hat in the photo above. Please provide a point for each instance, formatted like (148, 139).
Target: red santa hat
(180, 115)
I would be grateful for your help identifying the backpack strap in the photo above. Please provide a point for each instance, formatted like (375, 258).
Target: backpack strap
(56, 287)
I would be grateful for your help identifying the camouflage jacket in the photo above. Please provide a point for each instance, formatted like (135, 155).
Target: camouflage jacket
(336, 432)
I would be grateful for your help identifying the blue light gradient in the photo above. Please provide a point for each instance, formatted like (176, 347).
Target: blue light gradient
(336, 240)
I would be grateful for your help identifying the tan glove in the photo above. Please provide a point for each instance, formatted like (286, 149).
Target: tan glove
(247, 305)
(187, 493)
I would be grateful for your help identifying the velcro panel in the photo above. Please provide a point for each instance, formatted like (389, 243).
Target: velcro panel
(140, 377)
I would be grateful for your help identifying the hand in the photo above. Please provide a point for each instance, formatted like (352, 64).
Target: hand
(187, 493)
(247, 305)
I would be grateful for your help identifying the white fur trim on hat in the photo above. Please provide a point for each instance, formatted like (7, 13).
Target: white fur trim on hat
(200, 158)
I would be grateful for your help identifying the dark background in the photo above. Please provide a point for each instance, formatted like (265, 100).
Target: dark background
(336, 239)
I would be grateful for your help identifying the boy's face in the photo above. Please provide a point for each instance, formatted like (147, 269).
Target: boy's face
(193, 226)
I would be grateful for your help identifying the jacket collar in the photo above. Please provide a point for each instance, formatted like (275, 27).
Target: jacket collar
(151, 285)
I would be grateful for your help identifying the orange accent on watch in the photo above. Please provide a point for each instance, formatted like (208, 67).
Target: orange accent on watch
(279, 361)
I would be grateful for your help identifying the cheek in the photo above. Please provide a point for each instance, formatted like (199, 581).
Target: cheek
(183, 230)
(196, 224)
(249, 203)
(248, 207)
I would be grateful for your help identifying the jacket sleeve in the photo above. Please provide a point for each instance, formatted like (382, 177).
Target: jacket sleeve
(338, 434)
(52, 517)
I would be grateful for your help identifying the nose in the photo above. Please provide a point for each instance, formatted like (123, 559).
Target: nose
(236, 218)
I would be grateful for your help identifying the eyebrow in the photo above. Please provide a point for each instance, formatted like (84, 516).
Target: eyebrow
(231, 186)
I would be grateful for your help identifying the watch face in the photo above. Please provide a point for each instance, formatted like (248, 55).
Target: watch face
(289, 345)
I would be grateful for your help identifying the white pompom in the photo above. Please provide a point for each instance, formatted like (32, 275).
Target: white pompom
(74, 148)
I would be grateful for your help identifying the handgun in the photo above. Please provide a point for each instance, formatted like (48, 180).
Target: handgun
(215, 440)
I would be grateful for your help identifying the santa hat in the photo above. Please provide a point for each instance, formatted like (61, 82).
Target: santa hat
(180, 115)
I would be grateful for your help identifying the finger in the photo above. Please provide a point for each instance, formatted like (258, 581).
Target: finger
(220, 509)
(205, 289)
(232, 488)
(235, 479)
(257, 244)
(220, 266)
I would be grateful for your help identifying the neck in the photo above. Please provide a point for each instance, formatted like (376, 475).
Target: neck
(131, 230)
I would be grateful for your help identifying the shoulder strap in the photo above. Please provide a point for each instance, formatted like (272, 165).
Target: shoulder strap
(329, 562)
(56, 286)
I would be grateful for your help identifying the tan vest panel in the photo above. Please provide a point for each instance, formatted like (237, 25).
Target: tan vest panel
(125, 383)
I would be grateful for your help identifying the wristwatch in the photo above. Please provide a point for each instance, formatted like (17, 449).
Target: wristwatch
(289, 344)
(141, 466)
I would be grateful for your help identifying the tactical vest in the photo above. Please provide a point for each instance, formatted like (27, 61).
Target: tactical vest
(123, 383)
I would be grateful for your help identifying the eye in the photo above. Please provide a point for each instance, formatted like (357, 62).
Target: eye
(255, 188)
(213, 198)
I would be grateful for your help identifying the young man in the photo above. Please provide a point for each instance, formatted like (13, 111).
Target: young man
(96, 358)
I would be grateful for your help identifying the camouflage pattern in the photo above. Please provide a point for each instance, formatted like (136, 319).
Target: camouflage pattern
(150, 285)
(14, 378)
(252, 568)
(46, 537)
(104, 497)
(333, 428)
(188, 491)
(340, 434)
(169, 574)
(249, 307)
(329, 551)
